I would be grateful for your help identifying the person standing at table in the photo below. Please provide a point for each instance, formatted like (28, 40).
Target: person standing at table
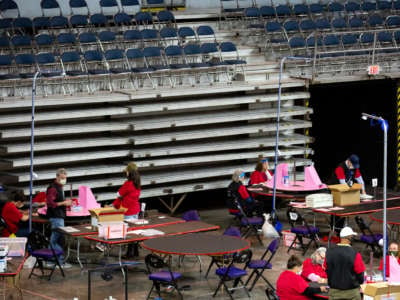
(128, 197)
(291, 286)
(57, 209)
(393, 251)
(261, 173)
(345, 268)
(313, 269)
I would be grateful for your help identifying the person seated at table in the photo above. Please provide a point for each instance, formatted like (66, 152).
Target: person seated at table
(238, 191)
(261, 172)
(12, 216)
(292, 286)
(313, 269)
(393, 250)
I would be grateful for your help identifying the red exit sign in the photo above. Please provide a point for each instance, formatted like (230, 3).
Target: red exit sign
(373, 70)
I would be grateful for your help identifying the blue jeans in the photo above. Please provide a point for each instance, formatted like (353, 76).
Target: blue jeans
(131, 217)
(56, 237)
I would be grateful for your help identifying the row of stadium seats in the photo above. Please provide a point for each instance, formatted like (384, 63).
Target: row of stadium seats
(23, 24)
(104, 39)
(96, 70)
(51, 8)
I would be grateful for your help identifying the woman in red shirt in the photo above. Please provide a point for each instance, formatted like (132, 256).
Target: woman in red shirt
(129, 193)
(313, 269)
(291, 286)
(11, 216)
(261, 173)
(393, 250)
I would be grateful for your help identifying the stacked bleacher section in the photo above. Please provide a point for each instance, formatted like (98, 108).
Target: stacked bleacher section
(175, 97)
(340, 37)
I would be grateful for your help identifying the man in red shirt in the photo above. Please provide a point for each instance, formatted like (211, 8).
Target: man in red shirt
(11, 216)
(291, 286)
(345, 268)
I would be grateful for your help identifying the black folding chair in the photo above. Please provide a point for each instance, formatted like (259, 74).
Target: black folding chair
(249, 225)
(302, 230)
(369, 238)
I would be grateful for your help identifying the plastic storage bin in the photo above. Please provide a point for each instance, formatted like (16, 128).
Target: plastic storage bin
(16, 246)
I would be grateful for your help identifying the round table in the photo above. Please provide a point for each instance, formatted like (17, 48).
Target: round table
(196, 244)
(392, 218)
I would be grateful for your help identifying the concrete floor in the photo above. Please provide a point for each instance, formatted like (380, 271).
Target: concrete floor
(75, 284)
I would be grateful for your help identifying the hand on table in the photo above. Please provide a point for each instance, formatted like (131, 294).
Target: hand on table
(324, 289)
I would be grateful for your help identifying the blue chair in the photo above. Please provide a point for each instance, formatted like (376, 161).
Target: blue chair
(44, 41)
(160, 273)
(264, 263)
(23, 24)
(122, 19)
(385, 38)
(95, 63)
(107, 36)
(40, 23)
(48, 65)
(9, 9)
(187, 34)
(297, 43)
(352, 7)
(98, 20)
(58, 22)
(267, 12)
(205, 32)
(131, 7)
(233, 273)
(323, 24)
(165, 17)
(72, 63)
(339, 23)
(230, 49)
(79, 7)
(369, 238)
(291, 26)
(78, 21)
(223, 260)
(273, 26)
(350, 39)
(283, 10)
(368, 6)
(302, 230)
(150, 37)
(169, 35)
(6, 65)
(252, 17)
(21, 41)
(50, 8)
(5, 43)
(301, 9)
(175, 58)
(307, 25)
(109, 7)
(392, 21)
(356, 23)
(136, 60)
(41, 249)
(375, 20)
(194, 56)
(133, 37)
(191, 215)
(335, 7)
(6, 23)
(88, 41)
(331, 40)
(396, 5)
(396, 36)
(316, 8)
(313, 42)
(367, 38)
(384, 4)
(66, 39)
(143, 18)
(248, 224)
(116, 60)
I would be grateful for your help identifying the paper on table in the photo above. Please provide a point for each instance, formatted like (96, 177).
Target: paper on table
(138, 221)
(336, 208)
(146, 232)
(323, 209)
(69, 229)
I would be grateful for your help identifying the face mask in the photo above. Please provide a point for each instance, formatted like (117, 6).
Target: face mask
(299, 272)
(320, 261)
(394, 253)
(63, 181)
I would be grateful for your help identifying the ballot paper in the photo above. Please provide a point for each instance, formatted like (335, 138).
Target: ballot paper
(146, 232)
(138, 221)
(69, 229)
(336, 208)
(365, 197)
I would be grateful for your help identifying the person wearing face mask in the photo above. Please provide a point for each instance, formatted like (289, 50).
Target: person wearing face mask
(313, 269)
(56, 209)
(392, 251)
(292, 286)
(261, 174)
(128, 197)
(345, 268)
(238, 191)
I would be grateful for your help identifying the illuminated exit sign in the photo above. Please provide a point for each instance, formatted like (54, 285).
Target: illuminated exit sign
(373, 70)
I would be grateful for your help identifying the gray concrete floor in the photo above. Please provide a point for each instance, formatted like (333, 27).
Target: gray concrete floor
(75, 284)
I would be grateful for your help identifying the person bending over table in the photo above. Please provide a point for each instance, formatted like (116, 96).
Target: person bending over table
(393, 251)
(313, 269)
(238, 191)
(291, 286)
(12, 217)
(345, 268)
(128, 197)
(56, 210)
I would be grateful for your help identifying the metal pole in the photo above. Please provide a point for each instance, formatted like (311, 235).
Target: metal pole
(384, 126)
(37, 74)
(278, 113)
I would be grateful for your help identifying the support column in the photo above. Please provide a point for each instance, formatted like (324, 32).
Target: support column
(398, 135)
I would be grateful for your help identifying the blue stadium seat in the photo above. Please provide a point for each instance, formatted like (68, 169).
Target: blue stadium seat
(143, 18)
(133, 38)
(273, 26)
(116, 61)
(175, 57)
(367, 38)
(136, 60)
(392, 21)
(166, 18)
(26, 65)
(375, 20)
(331, 40)
(194, 56)
(396, 5)
(99, 78)
(291, 26)
(335, 7)
(66, 40)
(396, 36)
(6, 67)
(355, 23)
(384, 4)
(323, 24)
(296, 42)
(150, 37)
(40, 23)
(109, 7)
(252, 17)
(21, 41)
(154, 59)
(78, 21)
(44, 41)
(350, 39)
(48, 65)
(122, 19)
(88, 41)
(9, 9)
(283, 10)
(169, 35)
(368, 6)
(130, 7)
(385, 38)
(339, 23)
(22, 24)
(187, 34)
(311, 42)
(6, 23)
(79, 7)
(58, 22)
(107, 39)
(307, 25)
(230, 54)
(205, 32)
(74, 69)
(352, 7)
(50, 8)
(5, 44)
(267, 11)
(316, 8)
(98, 20)
(301, 9)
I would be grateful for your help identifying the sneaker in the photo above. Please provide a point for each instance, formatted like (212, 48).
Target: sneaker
(100, 247)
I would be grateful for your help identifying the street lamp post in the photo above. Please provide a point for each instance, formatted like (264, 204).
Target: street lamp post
(384, 126)
(31, 174)
(278, 113)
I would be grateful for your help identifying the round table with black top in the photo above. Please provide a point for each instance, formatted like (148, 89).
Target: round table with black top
(392, 219)
(196, 244)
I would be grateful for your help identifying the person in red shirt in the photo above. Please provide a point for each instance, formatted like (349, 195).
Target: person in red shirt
(345, 268)
(313, 269)
(128, 197)
(393, 250)
(261, 173)
(11, 216)
(291, 286)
